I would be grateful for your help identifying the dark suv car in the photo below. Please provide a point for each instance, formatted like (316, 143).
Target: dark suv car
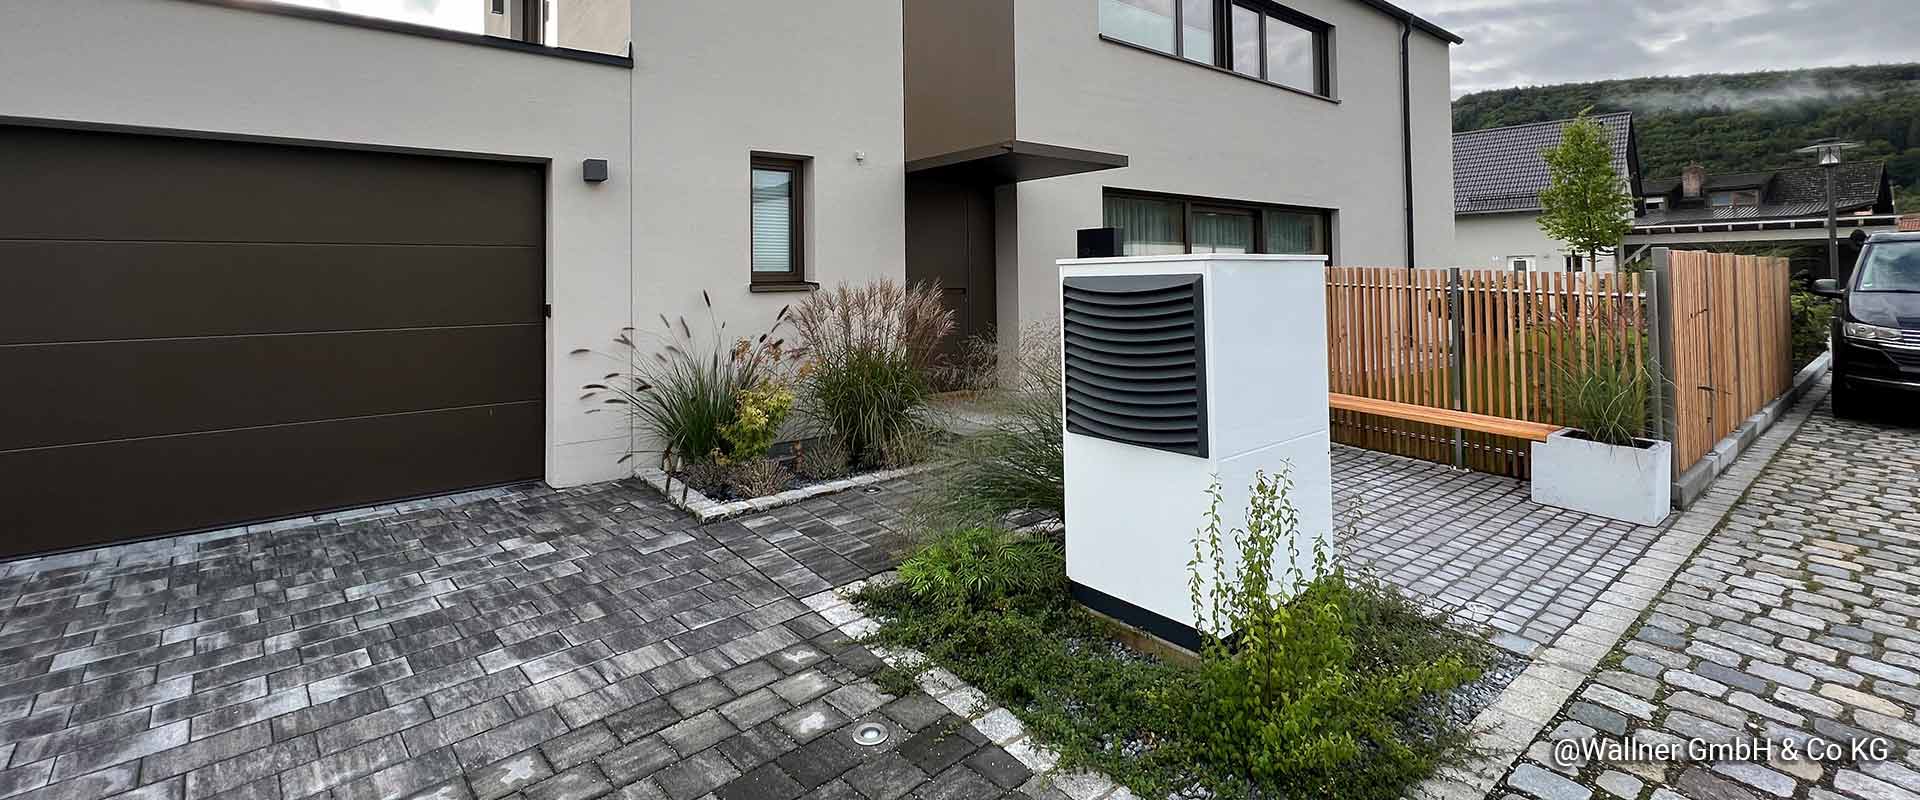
(1876, 329)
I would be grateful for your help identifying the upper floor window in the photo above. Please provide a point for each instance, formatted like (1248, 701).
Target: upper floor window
(595, 25)
(1256, 38)
(1740, 197)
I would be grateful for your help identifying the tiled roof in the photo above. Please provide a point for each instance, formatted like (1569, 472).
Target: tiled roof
(1500, 169)
(1785, 194)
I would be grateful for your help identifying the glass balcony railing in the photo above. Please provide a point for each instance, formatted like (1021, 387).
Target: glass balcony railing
(600, 26)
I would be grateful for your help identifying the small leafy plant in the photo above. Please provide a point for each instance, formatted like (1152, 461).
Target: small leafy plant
(1278, 700)
(757, 477)
(821, 459)
(759, 411)
(973, 568)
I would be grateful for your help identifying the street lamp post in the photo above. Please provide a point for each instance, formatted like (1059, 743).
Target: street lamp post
(1829, 152)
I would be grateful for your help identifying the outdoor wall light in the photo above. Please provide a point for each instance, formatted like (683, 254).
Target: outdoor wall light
(594, 170)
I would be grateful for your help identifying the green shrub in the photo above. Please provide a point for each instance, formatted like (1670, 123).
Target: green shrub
(1812, 326)
(1281, 703)
(973, 568)
(759, 411)
(867, 354)
(682, 394)
(1016, 464)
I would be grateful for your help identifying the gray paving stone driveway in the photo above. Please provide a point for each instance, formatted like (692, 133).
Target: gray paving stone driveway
(1797, 620)
(1476, 544)
(524, 642)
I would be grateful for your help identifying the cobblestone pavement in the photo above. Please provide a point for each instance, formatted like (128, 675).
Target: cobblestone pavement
(1476, 544)
(528, 642)
(1794, 622)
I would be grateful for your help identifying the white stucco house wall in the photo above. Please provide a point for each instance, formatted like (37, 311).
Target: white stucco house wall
(1497, 177)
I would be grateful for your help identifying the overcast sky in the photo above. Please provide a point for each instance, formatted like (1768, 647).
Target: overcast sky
(1535, 42)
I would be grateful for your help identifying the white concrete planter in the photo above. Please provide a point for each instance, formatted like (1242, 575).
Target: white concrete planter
(1631, 484)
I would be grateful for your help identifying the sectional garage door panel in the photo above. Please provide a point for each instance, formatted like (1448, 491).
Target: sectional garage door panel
(94, 494)
(199, 333)
(86, 185)
(92, 291)
(100, 391)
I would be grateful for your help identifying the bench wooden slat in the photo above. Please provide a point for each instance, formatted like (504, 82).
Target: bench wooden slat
(1498, 426)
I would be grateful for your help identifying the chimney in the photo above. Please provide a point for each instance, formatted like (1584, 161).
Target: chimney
(1693, 179)
(1910, 223)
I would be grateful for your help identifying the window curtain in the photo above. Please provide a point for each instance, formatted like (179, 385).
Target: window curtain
(772, 220)
(1147, 227)
(1291, 233)
(1222, 233)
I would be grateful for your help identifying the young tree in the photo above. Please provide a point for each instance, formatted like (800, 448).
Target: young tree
(1586, 203)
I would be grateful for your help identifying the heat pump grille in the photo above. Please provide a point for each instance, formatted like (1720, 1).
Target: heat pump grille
(1135, 359)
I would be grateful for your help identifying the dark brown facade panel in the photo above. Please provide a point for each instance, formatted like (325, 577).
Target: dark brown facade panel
(94, 185)
(958, 79)
(103, 391)
(61, 498)
(92, 291)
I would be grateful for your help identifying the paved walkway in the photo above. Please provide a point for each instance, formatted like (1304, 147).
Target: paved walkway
(535, 643)
(1476, 544)
(594, 642)
(1794, 622)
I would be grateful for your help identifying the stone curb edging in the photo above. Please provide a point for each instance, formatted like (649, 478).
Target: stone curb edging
(707, 509)
(1516, 718)
(1690, 485)
(999, 725)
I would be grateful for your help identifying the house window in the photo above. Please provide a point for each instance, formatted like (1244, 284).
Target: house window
(1742, 197)
(776, 216)
(1256, 38)
(1521, 263)
(1158, 225)
(1148, 23)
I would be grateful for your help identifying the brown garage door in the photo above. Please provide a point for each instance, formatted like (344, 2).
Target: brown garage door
(195, 334)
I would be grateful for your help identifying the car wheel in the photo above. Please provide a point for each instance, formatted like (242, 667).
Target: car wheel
(1846, 402)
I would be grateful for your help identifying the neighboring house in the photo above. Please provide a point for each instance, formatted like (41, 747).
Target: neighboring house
(1192, 125)
(265, 260)
(1785, 205)
(1497, 177)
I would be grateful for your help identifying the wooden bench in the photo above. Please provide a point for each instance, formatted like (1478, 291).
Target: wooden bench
(1499, 426)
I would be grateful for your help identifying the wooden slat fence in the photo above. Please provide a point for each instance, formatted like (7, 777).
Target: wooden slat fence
(1732, 343)
(1392, 335)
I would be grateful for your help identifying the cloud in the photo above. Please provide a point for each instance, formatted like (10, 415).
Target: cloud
(1537, 42)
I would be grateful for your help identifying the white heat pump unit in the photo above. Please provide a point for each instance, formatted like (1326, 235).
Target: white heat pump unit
(1182, 371)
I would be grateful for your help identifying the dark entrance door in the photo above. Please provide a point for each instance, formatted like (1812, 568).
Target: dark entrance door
(950, 240)
(196, 334)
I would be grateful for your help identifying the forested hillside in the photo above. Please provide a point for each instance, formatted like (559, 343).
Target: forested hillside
(1740, 122)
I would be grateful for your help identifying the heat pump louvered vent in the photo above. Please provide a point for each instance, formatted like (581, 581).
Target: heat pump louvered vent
(1135, 361)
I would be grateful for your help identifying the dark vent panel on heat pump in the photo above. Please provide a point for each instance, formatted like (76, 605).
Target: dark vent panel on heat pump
(1135, 361)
